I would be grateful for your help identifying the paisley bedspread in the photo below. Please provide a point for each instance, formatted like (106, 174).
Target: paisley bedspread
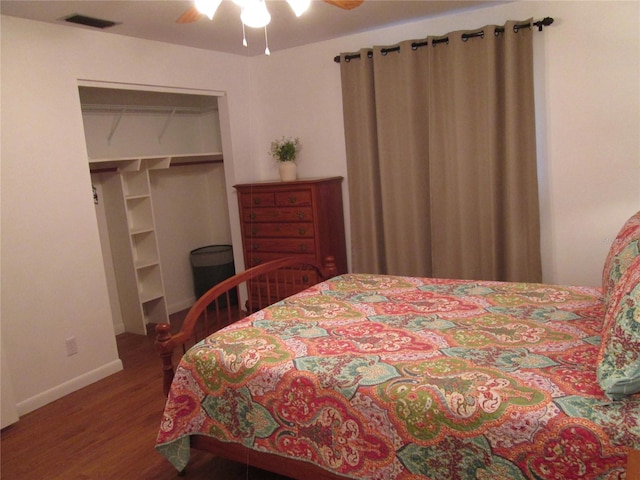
(383, 377)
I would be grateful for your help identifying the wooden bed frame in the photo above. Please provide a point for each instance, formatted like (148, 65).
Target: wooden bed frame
(265, 284)
(305, 471)
(217, 308)
(633, 465)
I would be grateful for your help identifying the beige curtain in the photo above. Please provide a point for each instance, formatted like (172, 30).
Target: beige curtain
(441, 157)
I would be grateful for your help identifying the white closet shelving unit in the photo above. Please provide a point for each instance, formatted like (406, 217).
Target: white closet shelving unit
(126, 190)
(135, 191)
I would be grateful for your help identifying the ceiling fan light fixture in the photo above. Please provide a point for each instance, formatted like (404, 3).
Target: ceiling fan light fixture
(255, 14)
(299, 6)
(207, 7)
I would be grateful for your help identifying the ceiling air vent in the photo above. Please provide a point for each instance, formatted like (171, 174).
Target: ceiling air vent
(89, 21)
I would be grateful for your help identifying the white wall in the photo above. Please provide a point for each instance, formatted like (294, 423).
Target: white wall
(588, 109)
(191, 211)
(53, 278)
(53, 282)
(148, 134)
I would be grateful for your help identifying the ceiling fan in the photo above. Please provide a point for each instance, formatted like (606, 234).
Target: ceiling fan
(192, 14)
(254, 13)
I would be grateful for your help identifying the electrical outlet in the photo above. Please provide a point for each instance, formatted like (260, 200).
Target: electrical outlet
(72, 346)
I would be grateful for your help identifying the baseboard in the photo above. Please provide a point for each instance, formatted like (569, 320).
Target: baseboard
(59, 391)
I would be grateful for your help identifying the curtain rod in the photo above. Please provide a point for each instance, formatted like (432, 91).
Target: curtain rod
(545, 22)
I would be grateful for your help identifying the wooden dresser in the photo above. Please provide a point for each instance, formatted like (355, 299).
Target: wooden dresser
(303, 217)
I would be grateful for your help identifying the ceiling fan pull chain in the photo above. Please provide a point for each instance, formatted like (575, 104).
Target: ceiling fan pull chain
(244, 36)
(266, 42)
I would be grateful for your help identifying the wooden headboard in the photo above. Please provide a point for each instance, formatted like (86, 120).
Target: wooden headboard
(265, 284)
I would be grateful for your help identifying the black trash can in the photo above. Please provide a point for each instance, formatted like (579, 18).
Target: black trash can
(211, 265)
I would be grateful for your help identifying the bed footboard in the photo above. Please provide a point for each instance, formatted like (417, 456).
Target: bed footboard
(265, 284)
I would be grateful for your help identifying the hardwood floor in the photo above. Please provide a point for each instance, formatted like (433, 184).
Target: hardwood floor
(107, 431)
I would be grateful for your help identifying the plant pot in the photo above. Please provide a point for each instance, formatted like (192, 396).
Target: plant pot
(288, 171)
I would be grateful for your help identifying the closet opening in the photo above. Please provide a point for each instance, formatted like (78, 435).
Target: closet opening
(159, 190)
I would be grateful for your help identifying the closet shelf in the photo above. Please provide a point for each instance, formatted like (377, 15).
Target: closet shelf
(140, 230)
(141, 264)
(158, 161)
(151, 296)
(137, 197)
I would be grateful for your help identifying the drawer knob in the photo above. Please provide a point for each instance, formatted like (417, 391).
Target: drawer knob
(302, 231)
(305, 278)
(303, 248)
(292, 199)
(257, 200)
(252, 216)
(300, 215)
(255, 246)
(254, 231)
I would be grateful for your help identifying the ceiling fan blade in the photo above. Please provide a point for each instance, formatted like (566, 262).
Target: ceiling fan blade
(189, 16)
(346, 4)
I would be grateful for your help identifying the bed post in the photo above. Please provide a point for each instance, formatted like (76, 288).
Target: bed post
(165, 350)
(329, 268)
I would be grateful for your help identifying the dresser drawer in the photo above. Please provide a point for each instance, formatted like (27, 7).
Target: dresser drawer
(282, 245)
(258, 199)
(295, 214)
(289, 230)
(256, 258)
(296, 197)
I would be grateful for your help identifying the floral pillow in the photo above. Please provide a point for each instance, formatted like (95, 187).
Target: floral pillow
(619, 359)
(624, 249)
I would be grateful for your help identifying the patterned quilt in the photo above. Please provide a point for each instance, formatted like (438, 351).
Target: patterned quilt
(386, 377)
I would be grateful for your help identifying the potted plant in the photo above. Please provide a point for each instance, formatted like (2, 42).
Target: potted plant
(285, 151)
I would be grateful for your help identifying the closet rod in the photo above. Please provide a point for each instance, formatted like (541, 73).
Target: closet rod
(99, 107)
(105, 169)
(545, 22)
